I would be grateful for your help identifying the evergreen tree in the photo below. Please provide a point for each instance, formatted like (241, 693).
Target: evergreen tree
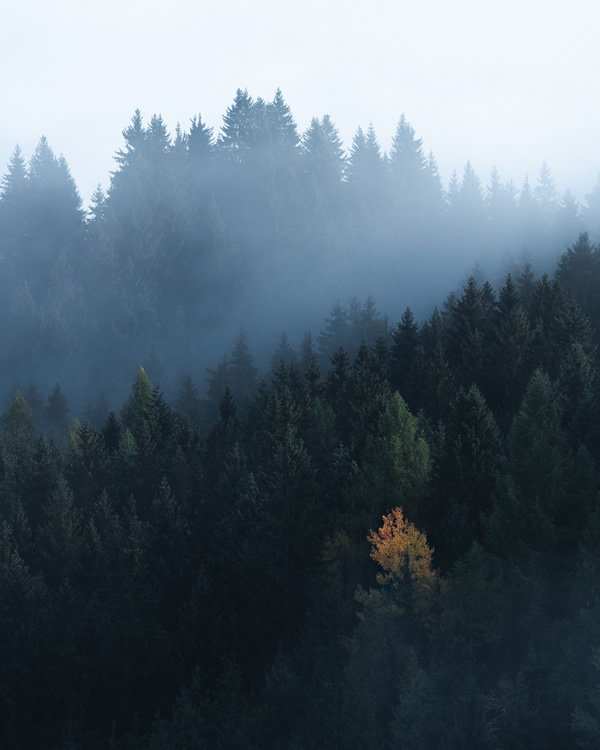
(41, 215)
(366, 172)
(531, 226)
(336, 334)
(578, 273)
(56, 415)
(188, 401)
(60, 537)
(567, 220)
(501, 208)
(468, 334)
(283, 133)
(242, 374)
(14, 220)
(323, 156)
(111, 432)
(85, 463)
(200, 149)
(403, 356)
(17, 427)
(545, 194)
(407, 162)
(465, 478)
(238, 133)
(510, 349)
(407, 166)
(533, 490)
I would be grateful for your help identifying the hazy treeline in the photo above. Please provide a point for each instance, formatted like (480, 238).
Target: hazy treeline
(256, 225)
(164, 587)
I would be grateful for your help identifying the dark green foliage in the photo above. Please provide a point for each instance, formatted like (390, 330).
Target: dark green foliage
(336, 334)
(465, 477)
(85, 465)
(579, 275)
(190, 575)
(403, 353)
(507, 379)
(558, 324)
(111, 432)
(56, 415)
(188, 401)
(26, 613)
(533, 502)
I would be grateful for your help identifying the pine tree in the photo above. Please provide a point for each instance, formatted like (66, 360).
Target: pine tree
(14, 221)
(406, 159)
(366, 172)
(188, 402)
(17, 427)
(200, 148)
(85, 463)
(545, 194)
(336, 334)
(242, 374)
(393, 466)
(284, 138)
(138, 408)
(510, 347)
(558, 324)
(467, 336)
(465, 477)
(60, 537)
(467, 211)
(238, 133)
(111, 433)
(56, 415)
(42, 216)
(408, 171)
(501, 208)
(578, 273)
(403, 356)
(567, 219)
(533, 490)
(135, 136)
(531, 224)
(284, 354)
(323, 156)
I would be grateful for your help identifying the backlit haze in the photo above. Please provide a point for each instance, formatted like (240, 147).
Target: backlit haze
(508, 84)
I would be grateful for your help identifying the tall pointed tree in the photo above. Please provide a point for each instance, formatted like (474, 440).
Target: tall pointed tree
(324, 158)
(238, 132)
(546, 194)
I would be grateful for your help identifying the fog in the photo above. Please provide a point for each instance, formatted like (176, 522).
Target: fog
(484, 89)
(510, 84)
(269, 276)
(256, 229)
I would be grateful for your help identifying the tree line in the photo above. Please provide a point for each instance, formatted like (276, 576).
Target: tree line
(259, 224)
(389, 537)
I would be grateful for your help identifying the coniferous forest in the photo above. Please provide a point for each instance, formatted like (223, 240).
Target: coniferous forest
(298, 448)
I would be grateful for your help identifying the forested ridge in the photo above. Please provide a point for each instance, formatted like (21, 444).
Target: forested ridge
(256, 225)
(386, 536)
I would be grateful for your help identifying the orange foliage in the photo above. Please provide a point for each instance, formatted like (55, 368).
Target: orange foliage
(403, 553)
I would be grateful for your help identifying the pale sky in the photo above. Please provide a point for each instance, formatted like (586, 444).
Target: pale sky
(507, 83)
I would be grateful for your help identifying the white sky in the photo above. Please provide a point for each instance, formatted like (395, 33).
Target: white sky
(507, 83)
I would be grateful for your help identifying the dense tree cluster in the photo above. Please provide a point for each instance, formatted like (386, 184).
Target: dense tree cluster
(386, 536)
(258, 224)
(189, 575)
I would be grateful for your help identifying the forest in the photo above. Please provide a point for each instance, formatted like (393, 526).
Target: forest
(218, 530)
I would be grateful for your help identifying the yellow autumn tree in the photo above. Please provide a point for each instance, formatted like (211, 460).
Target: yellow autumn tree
(406, 558)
